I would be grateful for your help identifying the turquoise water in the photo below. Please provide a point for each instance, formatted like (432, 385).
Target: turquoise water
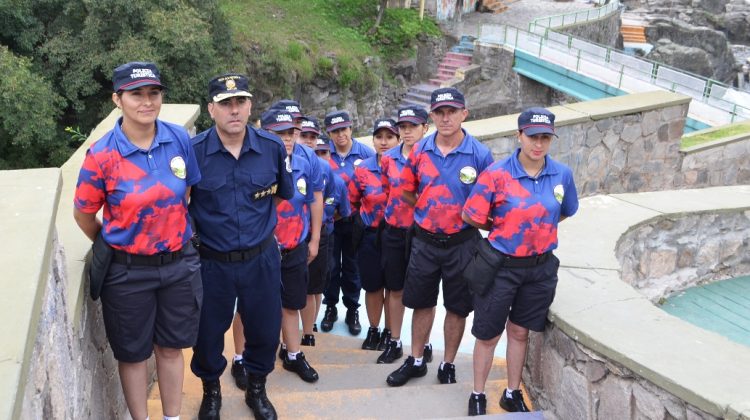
(722, 307)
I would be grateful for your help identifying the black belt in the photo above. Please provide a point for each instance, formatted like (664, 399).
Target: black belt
(238, 255)
(524, 262)
(156, 260)
(286, 252)
(396, 228)
(442, 240)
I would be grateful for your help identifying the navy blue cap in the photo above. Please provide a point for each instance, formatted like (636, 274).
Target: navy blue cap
(413, 114)
(277, 120)
(288, 105)
(451, 97)
(227, 86)
(536, 120)
(310, 125)
(337, 119)
(136, 74)
(323, 143)
(385, 123)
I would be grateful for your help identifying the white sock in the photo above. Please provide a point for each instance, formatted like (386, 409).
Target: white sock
(237, 357)
(443, 363)
(477, 393)
(292, 356)
(171, 418)
(508, 393)
(417, 361)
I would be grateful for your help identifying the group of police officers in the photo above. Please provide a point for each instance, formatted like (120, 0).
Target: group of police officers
(326, 215)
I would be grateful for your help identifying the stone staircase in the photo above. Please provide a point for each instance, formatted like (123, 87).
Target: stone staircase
(633, 33)
(459, 56)
(351, 386)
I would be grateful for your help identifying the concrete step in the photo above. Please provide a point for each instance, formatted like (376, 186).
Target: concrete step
(351, 385)
(436, 82)
(455, 63)
(633, 33)
(458, 56)
(422, 89)
(446, 72)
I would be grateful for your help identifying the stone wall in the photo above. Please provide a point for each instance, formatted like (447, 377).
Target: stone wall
(575, 382)
(622, 153)
(500, 91)
(604, 31)
(722, 163)
(72, 374)
(668, 255)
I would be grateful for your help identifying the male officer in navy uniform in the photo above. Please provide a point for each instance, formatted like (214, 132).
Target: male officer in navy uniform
(244, 169)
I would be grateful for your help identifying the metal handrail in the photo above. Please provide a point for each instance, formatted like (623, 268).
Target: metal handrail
(590, 14)
(629, 69)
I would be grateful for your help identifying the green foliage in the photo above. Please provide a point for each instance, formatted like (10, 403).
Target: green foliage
(28, 129)
(57, 56)
(76, 44)
(399, 30)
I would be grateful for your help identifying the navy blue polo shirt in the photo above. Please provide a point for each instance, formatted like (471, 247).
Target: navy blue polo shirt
(232, 205)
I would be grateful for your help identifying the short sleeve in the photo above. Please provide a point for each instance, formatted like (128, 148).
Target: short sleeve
(91, 189)
(478, 204)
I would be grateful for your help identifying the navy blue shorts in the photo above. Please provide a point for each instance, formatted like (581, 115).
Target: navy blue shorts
(144, 305)
(318, 268)
(394, 257)
(368, 260)
(522, 295)
(294, 277)
(429, 264)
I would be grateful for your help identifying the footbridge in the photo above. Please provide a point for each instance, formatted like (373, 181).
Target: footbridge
(588, 71)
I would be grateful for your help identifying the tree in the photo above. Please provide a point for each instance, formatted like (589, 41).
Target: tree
(379, 18)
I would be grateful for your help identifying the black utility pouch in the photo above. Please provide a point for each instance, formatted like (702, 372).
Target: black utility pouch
(101, 258)
(481, 270)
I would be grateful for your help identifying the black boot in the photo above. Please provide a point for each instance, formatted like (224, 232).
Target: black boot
(331, 315)
(256, 399)
(211, 404)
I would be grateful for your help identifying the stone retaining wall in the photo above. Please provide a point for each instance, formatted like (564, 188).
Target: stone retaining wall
(668, 255)
(630, 152)
(72, 374)
(604, 31)
(719, 163)
(578, 383)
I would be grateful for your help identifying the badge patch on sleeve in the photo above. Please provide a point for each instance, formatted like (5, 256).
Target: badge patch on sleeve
(302, 186)
(559, 193)
(467, 175)
(177, 165)
(288, 161)
(330, 200)
(260, 194)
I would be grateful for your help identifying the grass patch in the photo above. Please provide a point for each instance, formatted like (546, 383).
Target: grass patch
(329, 38)
(713, 135)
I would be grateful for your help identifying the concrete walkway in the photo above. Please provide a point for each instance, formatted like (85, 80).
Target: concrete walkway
(519, 13)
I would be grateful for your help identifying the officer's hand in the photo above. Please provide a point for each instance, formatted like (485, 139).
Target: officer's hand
(312, 251)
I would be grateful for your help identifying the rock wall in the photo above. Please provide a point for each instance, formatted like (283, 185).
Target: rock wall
(604, 31)
(717, 164)
(625, 153)
(700, 50)
(668, 255)
(570, 381)
(498, 90)
(72, 374)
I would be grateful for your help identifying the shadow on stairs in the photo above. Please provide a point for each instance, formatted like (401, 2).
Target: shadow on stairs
(351, 386)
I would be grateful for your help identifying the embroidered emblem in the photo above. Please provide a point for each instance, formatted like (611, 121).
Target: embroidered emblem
(302, 186)
(467, 175)
(559, 193)
(265, 192)
(177, 165)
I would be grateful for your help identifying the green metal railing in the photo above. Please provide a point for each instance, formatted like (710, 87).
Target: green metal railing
(718, 102)
(557, 21)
